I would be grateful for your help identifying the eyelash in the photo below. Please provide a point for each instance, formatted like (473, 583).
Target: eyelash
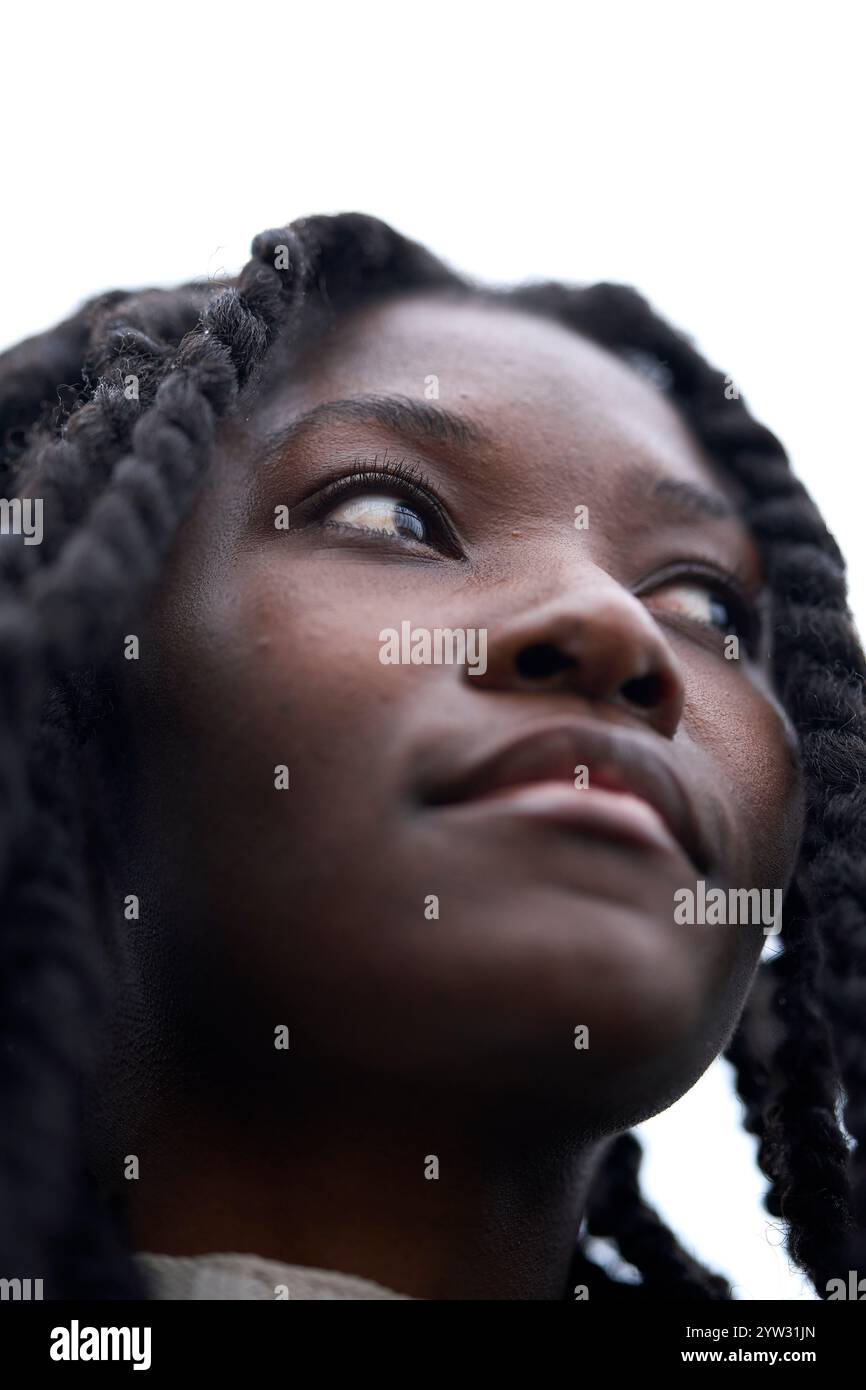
(411, 484)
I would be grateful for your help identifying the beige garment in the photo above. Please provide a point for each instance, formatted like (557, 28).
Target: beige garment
(232, 1276)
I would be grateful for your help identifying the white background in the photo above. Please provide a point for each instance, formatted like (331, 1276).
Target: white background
(712, 155)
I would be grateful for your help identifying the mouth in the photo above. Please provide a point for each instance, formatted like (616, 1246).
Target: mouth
(598, 780)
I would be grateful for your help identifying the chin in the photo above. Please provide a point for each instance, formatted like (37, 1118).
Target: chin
(594, 1009)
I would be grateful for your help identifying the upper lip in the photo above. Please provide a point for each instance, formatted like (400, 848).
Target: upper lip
(615, 758)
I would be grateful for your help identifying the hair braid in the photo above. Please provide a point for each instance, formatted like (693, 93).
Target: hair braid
(101, 572)
(617, 1208)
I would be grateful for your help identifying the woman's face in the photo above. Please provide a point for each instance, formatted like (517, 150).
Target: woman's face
(432, 898)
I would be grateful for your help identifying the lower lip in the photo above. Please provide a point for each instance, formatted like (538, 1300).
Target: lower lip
(594, 810)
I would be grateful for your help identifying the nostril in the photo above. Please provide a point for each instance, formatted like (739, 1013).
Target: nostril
(541, 660)
(644, 691)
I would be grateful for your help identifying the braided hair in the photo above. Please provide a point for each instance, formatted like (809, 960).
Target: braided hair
(117, 470)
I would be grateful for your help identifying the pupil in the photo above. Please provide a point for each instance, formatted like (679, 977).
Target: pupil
(408, 521)
(720, 614)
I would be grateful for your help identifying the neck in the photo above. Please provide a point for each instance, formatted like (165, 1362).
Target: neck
(334, 1175)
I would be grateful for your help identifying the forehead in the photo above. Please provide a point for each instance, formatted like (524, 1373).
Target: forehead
(533, 384)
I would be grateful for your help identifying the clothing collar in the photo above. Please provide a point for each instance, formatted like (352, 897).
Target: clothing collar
(236, 1276)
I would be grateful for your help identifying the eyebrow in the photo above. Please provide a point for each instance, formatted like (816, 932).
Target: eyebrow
(681, 500)
(421, 420)
(426, 421)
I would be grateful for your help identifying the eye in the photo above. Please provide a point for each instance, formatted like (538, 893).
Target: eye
(711, 602)
(393, 503)
(698, 601)
(392, 516)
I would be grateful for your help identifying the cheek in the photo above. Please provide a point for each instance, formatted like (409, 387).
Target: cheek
(743, 735)
(750, 775)
(281, 669)
(308, 671)
(262, 675)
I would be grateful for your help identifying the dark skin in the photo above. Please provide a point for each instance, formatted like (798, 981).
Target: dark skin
(454, 1036)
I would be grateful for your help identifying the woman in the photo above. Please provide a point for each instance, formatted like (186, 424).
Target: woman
(398, 655)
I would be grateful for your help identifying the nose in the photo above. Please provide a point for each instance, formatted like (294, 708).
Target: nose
(598, 642)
